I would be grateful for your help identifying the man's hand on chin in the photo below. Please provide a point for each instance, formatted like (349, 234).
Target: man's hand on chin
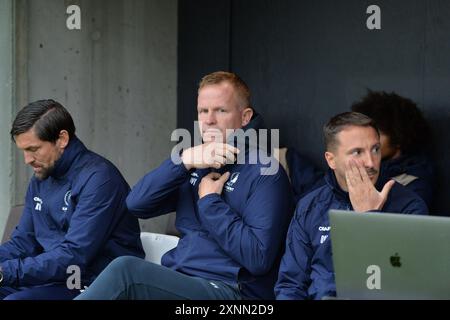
(209, 155)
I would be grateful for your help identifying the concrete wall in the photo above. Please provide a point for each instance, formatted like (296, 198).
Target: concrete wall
(6, 103)
(117, 76)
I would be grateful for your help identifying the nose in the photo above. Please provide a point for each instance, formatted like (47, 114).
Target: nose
(28, 157)
(210, 118)
(369, 161)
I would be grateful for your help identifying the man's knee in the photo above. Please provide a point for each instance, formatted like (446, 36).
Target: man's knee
(124, 264)
(21, 295)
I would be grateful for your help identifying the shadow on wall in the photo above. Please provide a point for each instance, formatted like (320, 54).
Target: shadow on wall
(439, 120)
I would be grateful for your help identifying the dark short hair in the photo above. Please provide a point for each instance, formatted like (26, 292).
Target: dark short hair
(397, 117)
(47, 117)
(342, 121)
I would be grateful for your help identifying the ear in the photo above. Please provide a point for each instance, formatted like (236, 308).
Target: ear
(329, 156)
(247, 115)
(63, 139)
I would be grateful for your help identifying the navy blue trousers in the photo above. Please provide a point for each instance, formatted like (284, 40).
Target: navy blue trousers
(44, 292)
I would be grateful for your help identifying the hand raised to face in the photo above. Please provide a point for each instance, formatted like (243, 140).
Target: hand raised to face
(209, 155)
(363, 194)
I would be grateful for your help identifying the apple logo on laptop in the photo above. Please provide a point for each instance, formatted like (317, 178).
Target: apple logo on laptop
(395, 261)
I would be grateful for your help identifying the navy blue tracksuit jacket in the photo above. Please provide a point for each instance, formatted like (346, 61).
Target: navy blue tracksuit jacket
(306, 270)
(415, 172)
(236, 237)
(305, 177)
(77, 216)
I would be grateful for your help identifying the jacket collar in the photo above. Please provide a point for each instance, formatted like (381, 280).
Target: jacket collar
(330, 179)
(417, 165)
(71, 152)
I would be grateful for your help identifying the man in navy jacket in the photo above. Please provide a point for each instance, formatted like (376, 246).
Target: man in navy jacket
(75, 219)
(353, 155)
(232, 218)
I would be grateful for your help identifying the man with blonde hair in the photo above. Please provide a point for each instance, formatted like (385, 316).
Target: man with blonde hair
(233, 219)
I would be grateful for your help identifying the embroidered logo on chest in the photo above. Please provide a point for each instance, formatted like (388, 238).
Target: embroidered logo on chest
(38, 206)
(194, 179)
(229, 186)
(66, 200)
(323, 238)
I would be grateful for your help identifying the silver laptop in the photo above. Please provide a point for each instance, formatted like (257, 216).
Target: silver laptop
(390, 256)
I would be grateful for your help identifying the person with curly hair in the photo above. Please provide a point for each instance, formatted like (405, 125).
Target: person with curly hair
(405, 138)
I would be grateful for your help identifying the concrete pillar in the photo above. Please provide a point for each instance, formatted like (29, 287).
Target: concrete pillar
(6, 107)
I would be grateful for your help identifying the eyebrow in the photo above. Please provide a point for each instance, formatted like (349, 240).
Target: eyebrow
(31, 147)
(376, 145)
(360, 149)
(353, 150)
(214, 108)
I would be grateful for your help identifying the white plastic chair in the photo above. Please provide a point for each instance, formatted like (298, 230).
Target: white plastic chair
(156, 245)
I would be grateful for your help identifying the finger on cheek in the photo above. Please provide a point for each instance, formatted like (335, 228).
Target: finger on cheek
(347, 178)
(347, 167)
(350, 164)
(350, 169)
(359, 164)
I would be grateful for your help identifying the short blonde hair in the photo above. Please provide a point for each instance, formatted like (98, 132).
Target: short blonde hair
(222, 76)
